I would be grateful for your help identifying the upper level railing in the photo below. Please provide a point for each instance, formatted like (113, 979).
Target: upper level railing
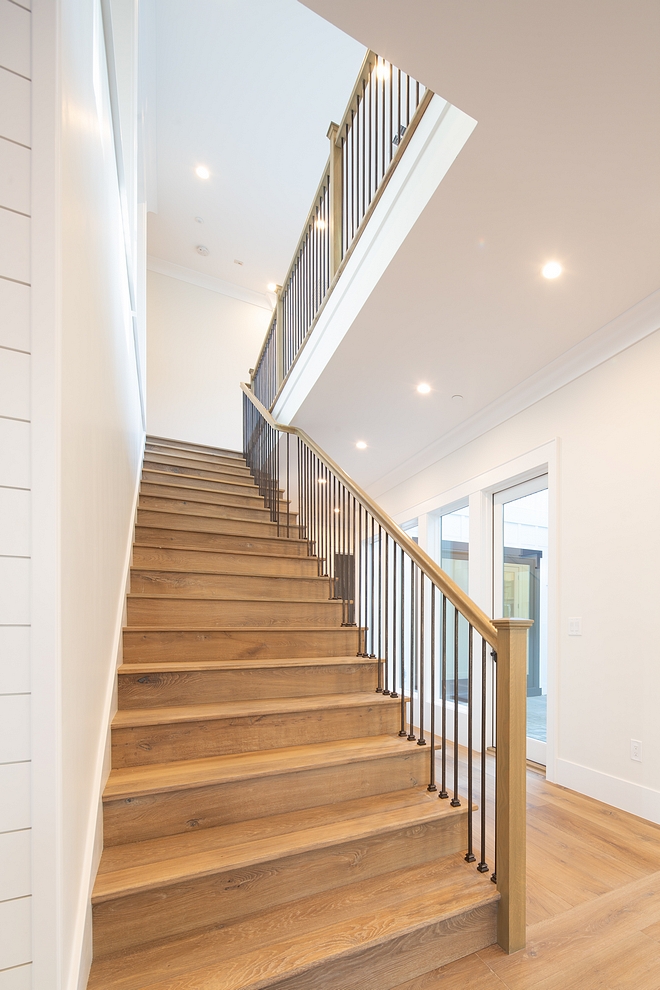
(431, 639)
(382, 113)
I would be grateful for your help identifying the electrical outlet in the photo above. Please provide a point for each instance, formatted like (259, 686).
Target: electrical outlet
(575, 625)
(636, 750)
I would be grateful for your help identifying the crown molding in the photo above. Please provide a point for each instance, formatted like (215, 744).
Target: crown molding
(162, 267)
(638, 322)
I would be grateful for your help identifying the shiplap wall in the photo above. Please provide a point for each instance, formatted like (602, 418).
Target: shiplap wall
(14, 495)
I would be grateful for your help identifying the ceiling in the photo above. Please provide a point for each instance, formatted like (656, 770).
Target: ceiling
(563, 164)
(246, 88)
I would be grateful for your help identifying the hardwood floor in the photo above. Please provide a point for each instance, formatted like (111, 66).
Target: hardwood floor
(593, 903)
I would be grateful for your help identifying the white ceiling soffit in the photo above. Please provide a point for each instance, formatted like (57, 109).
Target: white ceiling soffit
(562, 165)
(246, 88)
(437, 140)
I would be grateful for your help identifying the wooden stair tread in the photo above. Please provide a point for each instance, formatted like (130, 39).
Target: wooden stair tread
(233, 629)
(213, 550)
(249, 663)
(143, 569)
(246, 481)
(241, 709)
(217, 855)
(189, 445)
(185, 774)
(207, 597)
(259, 951)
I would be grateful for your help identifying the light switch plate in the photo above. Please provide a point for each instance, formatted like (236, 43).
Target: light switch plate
(575, 625)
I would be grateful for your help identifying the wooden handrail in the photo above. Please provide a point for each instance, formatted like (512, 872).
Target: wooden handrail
(474, 615)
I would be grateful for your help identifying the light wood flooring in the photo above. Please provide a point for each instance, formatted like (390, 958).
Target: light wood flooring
(593, 903)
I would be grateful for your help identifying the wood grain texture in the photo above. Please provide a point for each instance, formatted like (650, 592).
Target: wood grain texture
(248, 499)
(147, 645)
(158, 476)
(166, 684)
(158, 735)
(218, 585)
(168, 611)
(167, 536)
(188, 505)
(203, 522)
(223, 562)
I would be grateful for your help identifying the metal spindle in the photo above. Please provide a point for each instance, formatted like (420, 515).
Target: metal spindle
(432, 785)
(443, 781)
(386, 688)
(402, 649)
(413, 659)
(455, 801)
(469, 856)
(483, 865)
(380, 609)
(422, 662)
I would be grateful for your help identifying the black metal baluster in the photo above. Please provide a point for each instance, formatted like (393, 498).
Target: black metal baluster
(380, 607)
(363, 631)
(443, 782)
(432, 784)
(402, 731)
(413, 657)
(483, 865)
(394, 601)
(422, 661)
(372, 592)
(455, 801)
(386, 688)
(494, 656)
(469, 856)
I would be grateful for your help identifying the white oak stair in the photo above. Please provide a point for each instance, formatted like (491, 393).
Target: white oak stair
(265, 826)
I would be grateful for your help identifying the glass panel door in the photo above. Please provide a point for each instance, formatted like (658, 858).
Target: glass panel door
(520, 560)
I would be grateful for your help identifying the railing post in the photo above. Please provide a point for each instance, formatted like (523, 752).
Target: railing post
(335, 200)
(511, 798)
(279, 340)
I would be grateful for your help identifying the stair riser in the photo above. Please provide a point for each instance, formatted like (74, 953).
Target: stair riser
(204, 524)
(183, 908)
(248, 501)
(236, 644)
(194, 449)
(238, 487)
(388, 964)
(154, 558)
(228, 467)
(240, 475)
(171, 613)
(230, 585)
(172, 812)
(145, 745)
(160, 535)
(192, 507)
(208, 686)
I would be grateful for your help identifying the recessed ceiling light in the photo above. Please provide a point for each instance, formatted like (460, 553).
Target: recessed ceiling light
(337, 511)
(551, 270)
(271, 287)
(198, 220)
(202, 172)
(423, 388)
(361, 445)
(320, 223)
(382, 70)
(322, 481)
(202, 249)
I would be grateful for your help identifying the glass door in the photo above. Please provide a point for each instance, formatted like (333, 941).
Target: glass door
(520, 589)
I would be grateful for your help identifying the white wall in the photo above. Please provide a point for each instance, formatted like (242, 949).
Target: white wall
(607, 427)
(200, 345)
(87, 442)
(15, 818)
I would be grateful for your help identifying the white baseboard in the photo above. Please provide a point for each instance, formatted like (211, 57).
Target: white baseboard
(634, 798)
(81, 955)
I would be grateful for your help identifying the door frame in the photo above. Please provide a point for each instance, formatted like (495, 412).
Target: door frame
(478, 492)
(536, 749)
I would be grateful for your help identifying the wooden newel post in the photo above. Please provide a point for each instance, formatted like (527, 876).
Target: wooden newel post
(335, 200)
(511, 815)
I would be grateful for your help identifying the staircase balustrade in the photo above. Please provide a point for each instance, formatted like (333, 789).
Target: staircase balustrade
(422, 627)
(382, 113)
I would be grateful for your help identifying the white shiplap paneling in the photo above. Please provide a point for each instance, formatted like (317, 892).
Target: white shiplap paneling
(14, 174)
(15, 309)
(14, 522)
(14, 107)
(14, 38)
(14, 245)
(14, 728)
(15, 457)
(15, 932)
(14, 660)
(15, 857)
(17, 978)
(15, 790)
(14, 591)
(14, 383)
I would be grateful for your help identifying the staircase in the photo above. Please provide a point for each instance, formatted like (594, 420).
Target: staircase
(264, 823)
